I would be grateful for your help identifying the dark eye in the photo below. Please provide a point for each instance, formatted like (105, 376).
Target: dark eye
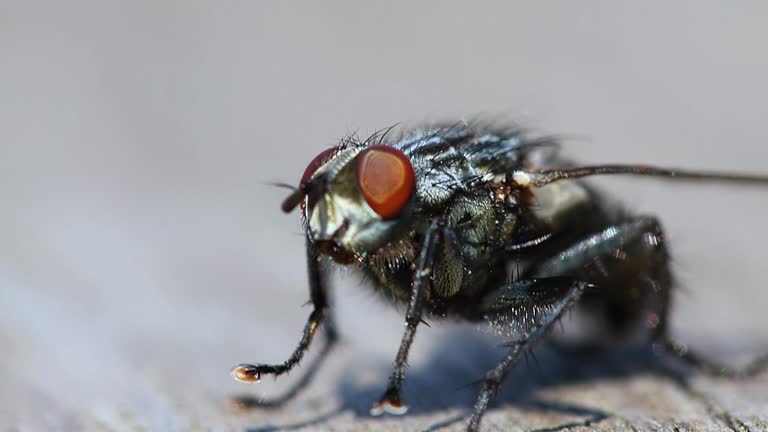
(386, 179)
(316, 163)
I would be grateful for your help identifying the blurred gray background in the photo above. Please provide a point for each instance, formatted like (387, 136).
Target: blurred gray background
(143, 253)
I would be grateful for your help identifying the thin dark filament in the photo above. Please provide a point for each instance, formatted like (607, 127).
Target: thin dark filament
(283, 185)
(551, 175)
(381, 134)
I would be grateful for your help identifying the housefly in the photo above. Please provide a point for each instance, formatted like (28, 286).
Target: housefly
(435, 216)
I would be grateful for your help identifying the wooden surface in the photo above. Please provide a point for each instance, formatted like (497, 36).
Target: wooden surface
(142, 254)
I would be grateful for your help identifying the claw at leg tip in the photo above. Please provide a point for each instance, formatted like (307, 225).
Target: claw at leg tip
(246, 373)
(388, 407)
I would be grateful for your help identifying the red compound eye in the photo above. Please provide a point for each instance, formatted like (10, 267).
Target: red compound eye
(385, 178)
(316, 163)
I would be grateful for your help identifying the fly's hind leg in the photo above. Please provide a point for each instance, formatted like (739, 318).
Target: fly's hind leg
(630, 264)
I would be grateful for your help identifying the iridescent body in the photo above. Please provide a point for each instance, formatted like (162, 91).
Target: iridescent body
(464, 177)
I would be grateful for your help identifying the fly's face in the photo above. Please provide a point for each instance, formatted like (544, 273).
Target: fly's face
(357, 199)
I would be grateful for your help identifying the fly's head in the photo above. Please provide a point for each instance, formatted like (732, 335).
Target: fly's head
(355, 200)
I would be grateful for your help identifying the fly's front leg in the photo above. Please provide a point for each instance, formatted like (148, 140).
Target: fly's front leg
(530, 305)
(251, 373)
(390, 401)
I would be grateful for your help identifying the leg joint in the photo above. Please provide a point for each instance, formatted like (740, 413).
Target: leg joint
(412, 319)
(493, 378)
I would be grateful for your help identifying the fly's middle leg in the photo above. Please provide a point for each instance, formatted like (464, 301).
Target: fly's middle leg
(533, 304)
